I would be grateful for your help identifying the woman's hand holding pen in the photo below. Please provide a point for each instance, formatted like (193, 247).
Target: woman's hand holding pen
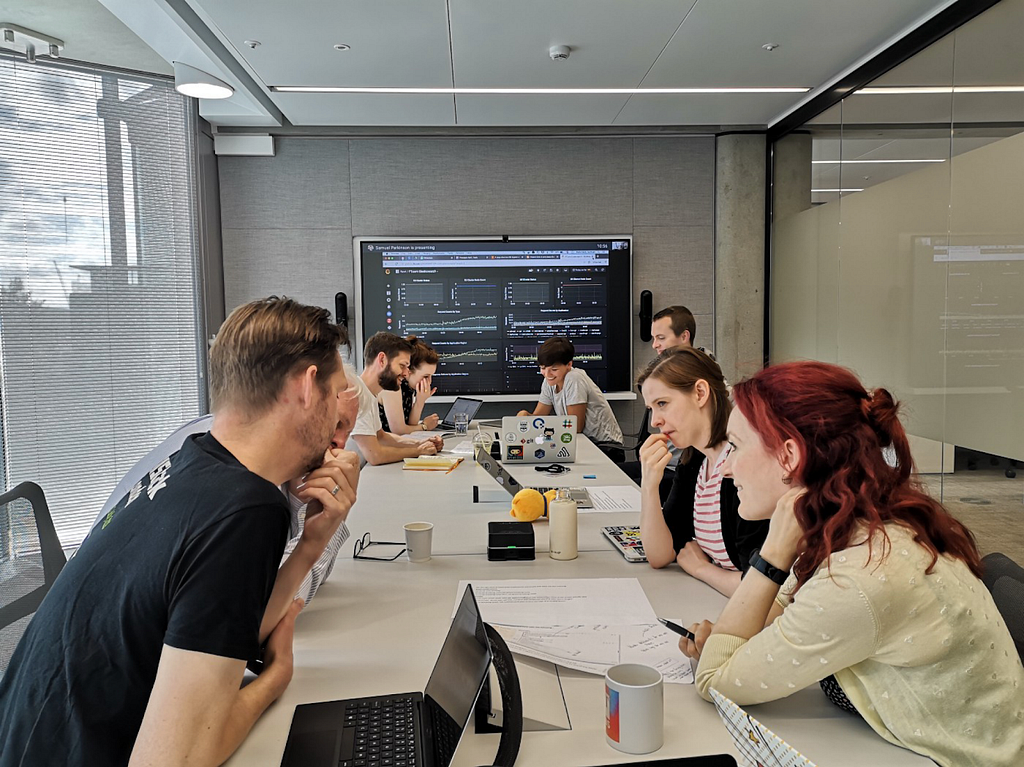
(654, 459)
(692, 648)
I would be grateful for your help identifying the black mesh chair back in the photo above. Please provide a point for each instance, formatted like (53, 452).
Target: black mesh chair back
(30, 560)
(1005, 580)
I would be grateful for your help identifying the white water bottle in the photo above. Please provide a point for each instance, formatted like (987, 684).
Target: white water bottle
(562, 526)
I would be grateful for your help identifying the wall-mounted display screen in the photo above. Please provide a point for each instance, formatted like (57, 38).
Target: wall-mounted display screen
(486, 305)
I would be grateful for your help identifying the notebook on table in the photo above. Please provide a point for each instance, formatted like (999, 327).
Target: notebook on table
(406, 730)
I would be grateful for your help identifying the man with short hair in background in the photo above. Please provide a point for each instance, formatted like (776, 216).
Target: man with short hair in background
(672, 327)
(386, 363)
(138, 651)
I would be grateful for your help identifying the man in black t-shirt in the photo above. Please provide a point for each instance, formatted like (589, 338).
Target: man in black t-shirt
(138, 651)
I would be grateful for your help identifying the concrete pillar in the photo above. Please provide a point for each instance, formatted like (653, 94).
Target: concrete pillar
(791, 185)
(739, 254)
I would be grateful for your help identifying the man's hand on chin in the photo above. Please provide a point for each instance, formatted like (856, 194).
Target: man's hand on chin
(329, 492)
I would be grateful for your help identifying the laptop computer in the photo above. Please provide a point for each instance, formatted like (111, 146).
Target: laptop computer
(465, 405)
(538, 439)
(626, 540)
(512, 485)
(405, 730)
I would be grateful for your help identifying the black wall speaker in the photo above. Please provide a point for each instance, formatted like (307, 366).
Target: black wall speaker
(341, 310)
(646, 300)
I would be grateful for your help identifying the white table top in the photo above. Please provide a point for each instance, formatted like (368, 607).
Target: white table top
(376, 628)
(389, 497)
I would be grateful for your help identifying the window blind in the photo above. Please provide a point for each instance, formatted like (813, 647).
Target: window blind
(99, 315)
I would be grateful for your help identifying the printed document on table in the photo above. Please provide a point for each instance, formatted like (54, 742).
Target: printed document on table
(465, 448)
(562, 601)
(613, 498)
(595, 649)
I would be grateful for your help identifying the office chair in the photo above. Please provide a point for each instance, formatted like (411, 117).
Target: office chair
(30, 560)
(631, 443)
(1005, 580)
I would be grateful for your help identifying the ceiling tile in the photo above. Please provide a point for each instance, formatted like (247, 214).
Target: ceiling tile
(613, 43)
(394, 43)
(720, 43)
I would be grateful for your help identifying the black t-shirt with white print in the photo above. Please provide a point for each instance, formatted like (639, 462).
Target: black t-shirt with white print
(187, 558)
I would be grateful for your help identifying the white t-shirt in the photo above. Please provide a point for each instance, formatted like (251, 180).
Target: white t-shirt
(368, 419)
(578, 389)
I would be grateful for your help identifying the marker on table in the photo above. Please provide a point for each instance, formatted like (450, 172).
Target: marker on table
(678, 629)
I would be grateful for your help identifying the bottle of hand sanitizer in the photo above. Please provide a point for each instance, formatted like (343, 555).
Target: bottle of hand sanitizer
(562, 542)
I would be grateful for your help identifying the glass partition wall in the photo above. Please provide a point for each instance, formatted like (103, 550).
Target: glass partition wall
(897, 250)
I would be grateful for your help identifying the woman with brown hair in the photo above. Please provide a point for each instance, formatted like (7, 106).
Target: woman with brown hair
(699, 525)
(880, 597)
(400, 410)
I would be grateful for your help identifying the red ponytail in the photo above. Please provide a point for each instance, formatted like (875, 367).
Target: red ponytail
(842, 431)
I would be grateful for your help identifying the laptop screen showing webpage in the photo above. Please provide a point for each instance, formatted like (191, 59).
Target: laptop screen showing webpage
(456, 680)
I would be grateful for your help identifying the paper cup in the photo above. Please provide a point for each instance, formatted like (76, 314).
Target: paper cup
(418, 537)
(634, 708)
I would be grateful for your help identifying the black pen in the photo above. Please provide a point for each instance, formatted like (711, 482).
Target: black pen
(678, 629)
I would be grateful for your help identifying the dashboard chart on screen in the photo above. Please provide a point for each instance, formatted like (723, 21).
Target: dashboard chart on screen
(486, 305)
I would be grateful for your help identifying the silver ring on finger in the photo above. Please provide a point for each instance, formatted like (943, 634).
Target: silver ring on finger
(335, 490)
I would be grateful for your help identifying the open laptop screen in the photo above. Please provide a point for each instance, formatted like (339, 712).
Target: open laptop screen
(455, 682)
(463, 405)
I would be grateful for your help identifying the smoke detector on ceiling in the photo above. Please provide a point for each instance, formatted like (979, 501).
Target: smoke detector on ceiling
(559, 52)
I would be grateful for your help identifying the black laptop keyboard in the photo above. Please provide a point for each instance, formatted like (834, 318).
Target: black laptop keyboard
(382, 732)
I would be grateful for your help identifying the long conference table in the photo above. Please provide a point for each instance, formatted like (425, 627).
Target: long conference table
(376, 628)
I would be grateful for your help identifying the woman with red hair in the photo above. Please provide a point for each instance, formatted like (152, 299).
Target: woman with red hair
(880, 597)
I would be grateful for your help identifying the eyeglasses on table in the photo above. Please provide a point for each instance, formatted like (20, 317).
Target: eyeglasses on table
(362, 544)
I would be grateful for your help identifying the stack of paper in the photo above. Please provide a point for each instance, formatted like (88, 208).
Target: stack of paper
(432, 462)
(587, 624)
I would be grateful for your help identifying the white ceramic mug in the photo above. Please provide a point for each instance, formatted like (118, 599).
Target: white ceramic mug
(634, 708)
(418, 537)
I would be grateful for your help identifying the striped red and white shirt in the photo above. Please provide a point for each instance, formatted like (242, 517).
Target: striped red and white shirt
(707, 512)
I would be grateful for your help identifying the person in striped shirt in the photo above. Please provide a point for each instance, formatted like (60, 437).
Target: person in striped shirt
(698, 526)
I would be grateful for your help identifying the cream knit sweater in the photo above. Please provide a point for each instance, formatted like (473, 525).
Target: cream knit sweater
(925, 659)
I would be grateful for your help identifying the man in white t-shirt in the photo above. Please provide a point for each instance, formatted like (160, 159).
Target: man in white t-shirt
(570, 391)
(386, 363)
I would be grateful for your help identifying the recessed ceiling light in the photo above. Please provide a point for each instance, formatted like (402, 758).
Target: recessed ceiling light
(531, 91)
(929, 89)
(254, 44)
(342, 47)
(770, 46)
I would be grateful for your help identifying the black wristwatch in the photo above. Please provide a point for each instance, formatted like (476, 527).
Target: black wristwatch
(766, 568)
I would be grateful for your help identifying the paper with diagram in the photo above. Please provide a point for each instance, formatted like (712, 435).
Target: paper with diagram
(587, 624)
